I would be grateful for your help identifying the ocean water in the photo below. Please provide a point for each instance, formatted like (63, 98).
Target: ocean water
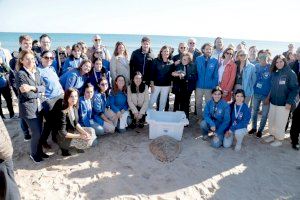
(132, 42)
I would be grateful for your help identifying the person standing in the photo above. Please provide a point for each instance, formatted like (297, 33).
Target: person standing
(97, 45)
(192, 43)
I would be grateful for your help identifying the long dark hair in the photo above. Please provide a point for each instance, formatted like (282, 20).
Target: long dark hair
(116, 89)
(75, 46)
(67, 95)
(163, 48)
(116, 49)
(273, 67)
(133, 86)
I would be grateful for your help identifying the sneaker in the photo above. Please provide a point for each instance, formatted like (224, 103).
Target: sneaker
(80, 150)
(237, 147)
(141, 125)
(65, 152)
(27, 137)
(123, 130)
(132, 126)
(14, 117)
(276, 143)
(269, 139)
(252, 131)
(258, 134)
(296, 147)
(43, 155)
(46, 145)
(36, 159)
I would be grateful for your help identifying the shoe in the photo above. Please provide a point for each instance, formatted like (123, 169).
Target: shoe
(46, 145)
(237, 147)
(269, 139)
(276, 143)
(43, 155)
(123, 130)
(296, 147)
(258, 134)
(132, 125)
(36, 159)
(65, 152)
(3, 117)
(141, 125)
(252, 131)
(14, 117)
(80, 150)
(27, 137)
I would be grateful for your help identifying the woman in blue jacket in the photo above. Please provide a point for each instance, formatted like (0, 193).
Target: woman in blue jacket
(240, 116)
(74, 60)
(85, 110)
(97, 73)
(216, 118)
(76, 78)
(284, 89)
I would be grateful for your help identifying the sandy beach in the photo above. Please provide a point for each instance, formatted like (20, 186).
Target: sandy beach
(122, 167)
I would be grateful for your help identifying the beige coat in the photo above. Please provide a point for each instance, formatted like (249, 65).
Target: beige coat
(119, 65)
(6, 149)
(138, 99)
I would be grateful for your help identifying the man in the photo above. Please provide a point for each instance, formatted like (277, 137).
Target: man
(207, 68)
(98, 46)
(141, 60)
(8, 186)
(192, 48)
(291, 48)
(218, 48)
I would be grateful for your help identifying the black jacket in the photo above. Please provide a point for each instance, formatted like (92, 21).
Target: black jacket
(161, 72)
(296, 68)
(188, 83)
(28, 101)
(141, 62)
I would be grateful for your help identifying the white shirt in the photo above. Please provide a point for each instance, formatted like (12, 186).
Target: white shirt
(221, 71)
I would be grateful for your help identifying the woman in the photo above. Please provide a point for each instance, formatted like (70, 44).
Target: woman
(76, 78)
(182, 48)
(31, 89)
(98, 72)
(284, 89)
(83, 48)
(253, 55)
(119, 63)
(160, 77)
(101, 112)
(118, 103)
(61, 57)
(290, 57)
(218, 48)
(53, 94)
(74, 59)
(138, 100)
(86, 110)
(245, 75)
(184, 82)
(216, 118)
(240, 117)
(70, 132)
(227, 73)
(98, 55)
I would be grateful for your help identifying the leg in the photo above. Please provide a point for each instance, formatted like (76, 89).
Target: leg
(239, 136)
(217, 141)
(123, 120)
(204, 128)
(176, 101)
(186, 103)
(163, 97)
(295, 128)
(256, 104)
(227, 141)
(111, 116)
(35, 126)
(281, 119)
(264, 117)
(99, 130)
(108, 128)
(25, 129)
(271, 119)
(154, 95)
(199, 100)
(6, 92)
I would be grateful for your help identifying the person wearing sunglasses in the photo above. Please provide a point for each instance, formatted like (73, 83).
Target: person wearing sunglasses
(97, 45)
(227, 72)
(53, 94)
(245, 75)
(192, 42)
(262, 88)
(216, 118)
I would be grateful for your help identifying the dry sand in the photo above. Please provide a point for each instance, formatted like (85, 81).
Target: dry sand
(122, 167)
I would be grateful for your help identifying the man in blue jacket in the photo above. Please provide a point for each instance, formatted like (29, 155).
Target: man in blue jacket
(207, 68)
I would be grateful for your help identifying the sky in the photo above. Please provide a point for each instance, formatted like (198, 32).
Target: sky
(273, 20)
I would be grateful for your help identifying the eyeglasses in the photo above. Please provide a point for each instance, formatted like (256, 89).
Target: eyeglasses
(62, 53)
(182, 47)
(48, 58)
(98, 52)
(228, 53)
(104, 84)
(191, 42)
(242, 55)
(97, 40)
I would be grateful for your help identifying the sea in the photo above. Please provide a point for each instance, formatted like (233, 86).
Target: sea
(10, 41)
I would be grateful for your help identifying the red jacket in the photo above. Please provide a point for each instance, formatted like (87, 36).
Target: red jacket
(228, 79)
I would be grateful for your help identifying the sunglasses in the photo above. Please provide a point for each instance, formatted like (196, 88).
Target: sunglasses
(48, 58)
(62, 53)
(229, 53)
(104, 84)
(98, 52)
(182, 47)
(97, 40)
(242, 55)
(192, 43)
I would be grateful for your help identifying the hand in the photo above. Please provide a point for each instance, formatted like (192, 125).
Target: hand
(85, 136)
(26, 88)
(110, 122)
(213, 128)
(174, 74)
(266, 101)
(119, 114)
(177, 62)
(136, 115)
(140, 116)
(288, 106)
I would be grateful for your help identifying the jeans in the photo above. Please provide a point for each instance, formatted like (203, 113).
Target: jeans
(35, 126)
(6, 93)
(217, 140)
(164, 93)
(257, 100)
(295, 128)
(24, 127)
(239, 136)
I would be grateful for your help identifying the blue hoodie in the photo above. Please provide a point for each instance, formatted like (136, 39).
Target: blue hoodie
(118, 101)
(71, 63)
(84, 112)
(217, 115)
(73, 79)
(100, 103)
(207, 72)
(263, 80)
(241, 120)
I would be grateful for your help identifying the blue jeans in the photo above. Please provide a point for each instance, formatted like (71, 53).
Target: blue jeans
(24, 126)
(239, 136)
(257, 100)
(217, 140)
(35, 126)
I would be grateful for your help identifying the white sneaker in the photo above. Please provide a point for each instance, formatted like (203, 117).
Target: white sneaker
(276, 143)
(237, 147)
(269, 139)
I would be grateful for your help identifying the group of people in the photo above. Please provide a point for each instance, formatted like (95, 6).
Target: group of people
(79, 94)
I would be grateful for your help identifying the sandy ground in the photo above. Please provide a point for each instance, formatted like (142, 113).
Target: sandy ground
(122, 167)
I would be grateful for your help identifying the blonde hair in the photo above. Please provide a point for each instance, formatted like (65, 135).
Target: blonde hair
(22, 54)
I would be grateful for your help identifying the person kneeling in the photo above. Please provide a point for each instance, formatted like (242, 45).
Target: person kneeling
(216, 118)
(240, 117)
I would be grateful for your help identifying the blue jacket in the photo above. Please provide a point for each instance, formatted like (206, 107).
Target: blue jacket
(284, 87)
(84, 112)
(118, 101)
(243, 118)
(73, 79)
(262, 85)
(217, 115)
(100, 102)
(249, 79)
(51, 80)
(207, 72)
(95, 77)
(70, 63)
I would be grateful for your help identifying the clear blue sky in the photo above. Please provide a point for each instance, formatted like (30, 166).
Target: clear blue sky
(252, 19)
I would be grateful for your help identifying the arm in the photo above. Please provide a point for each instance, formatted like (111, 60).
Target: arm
(130, 103)
(293, 88)
(207, 117)
(146, 101)
(113, 107)
(71, 81)
(132, 65)
(226, 120)
(113, 68)
(33, 92)
(231, 81)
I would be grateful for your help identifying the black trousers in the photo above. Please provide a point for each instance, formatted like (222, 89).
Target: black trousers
(142, 120)
(6, 93)
(295, 128)
(182, 101)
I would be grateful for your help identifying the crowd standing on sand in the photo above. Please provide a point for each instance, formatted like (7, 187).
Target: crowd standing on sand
(78, 93)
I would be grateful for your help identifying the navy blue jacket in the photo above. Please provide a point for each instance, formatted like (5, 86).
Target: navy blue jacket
(189, 81)
(161, 72)
(242, 119)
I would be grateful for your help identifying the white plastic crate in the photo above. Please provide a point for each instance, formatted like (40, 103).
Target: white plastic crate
(166, 123)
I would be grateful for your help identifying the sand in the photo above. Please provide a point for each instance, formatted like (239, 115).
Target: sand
(122, 167)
